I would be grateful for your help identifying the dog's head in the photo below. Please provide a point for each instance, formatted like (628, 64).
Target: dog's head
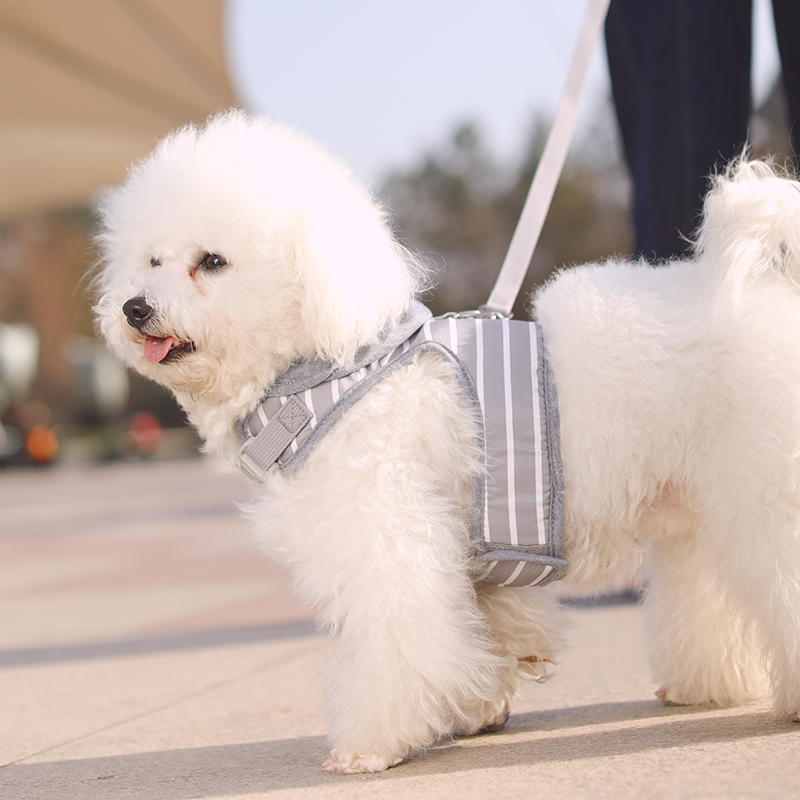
(237, 248)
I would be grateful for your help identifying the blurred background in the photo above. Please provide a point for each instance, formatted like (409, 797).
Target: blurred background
(441, 106)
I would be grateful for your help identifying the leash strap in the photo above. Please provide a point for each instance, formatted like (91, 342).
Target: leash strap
(537, 204)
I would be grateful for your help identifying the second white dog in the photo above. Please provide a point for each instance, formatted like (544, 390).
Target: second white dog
(237, 250)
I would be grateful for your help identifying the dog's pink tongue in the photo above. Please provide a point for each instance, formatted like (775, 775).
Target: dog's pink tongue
(156, 349)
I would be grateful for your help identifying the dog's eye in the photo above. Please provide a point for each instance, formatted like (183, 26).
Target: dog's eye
(212, 261)
(154, 262)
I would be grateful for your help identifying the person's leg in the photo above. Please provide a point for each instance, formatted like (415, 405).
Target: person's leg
(787, 27)
(680, 74)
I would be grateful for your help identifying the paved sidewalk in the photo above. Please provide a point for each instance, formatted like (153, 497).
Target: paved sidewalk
(148, 650)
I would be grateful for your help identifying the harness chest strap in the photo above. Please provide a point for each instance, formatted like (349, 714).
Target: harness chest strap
(518, 503)
(262, 451)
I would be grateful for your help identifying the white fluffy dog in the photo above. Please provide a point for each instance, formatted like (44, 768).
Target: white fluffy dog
(240, 248)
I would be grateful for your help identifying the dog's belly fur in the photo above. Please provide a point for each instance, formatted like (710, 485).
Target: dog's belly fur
(669, 407)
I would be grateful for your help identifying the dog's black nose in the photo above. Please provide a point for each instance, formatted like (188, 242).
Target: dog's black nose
(138, 311)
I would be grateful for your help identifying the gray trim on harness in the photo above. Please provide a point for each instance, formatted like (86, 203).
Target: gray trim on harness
(526, 553)
(305, 375)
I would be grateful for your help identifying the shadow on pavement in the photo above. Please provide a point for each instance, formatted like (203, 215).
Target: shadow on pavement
(242, 769)
(189, 640)
(218, 637)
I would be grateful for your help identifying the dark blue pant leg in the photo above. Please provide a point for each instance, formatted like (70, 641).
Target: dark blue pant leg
(680, 76)
(787, 27)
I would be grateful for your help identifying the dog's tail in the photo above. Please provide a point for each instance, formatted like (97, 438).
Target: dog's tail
(751, 227)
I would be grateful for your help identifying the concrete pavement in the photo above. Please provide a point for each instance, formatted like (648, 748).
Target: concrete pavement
(148, 650)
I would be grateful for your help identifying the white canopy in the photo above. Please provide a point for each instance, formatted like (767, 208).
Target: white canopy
(87, 86)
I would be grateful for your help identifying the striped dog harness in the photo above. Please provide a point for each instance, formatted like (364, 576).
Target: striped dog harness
(517, 519)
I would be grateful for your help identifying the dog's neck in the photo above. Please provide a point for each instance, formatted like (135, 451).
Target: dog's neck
(218, 420)
(215, 421)
(308, 373)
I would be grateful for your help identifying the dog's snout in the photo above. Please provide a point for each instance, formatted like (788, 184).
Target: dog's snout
(138, 311)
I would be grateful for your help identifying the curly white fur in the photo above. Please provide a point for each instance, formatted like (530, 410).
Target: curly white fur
(679, 391)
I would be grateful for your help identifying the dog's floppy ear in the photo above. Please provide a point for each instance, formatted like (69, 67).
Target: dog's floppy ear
(357, 279)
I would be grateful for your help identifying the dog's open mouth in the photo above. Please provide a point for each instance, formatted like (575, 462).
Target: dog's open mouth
(164, 350)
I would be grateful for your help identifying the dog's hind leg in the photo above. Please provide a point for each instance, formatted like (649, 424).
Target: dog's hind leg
(699, 650)
(760, 565)
(528, 624)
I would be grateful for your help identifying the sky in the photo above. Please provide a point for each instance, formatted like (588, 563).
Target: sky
(379, 83)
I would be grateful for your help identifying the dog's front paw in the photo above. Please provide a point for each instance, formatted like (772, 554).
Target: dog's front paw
(351, 763)
(493, 723)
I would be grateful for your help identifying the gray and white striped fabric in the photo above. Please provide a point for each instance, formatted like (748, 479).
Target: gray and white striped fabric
(518, 503)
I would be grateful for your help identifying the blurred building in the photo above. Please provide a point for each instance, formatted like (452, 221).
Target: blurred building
(91, 86)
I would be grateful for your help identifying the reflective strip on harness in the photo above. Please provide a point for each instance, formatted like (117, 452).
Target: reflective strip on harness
(518, 504)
